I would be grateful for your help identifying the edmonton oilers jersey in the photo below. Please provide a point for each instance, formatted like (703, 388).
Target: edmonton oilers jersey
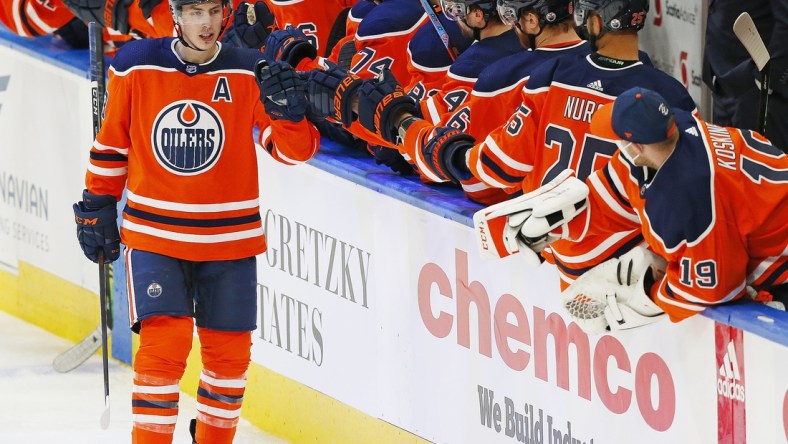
(715, 210)
(382, 38)
(179, 136)
(549, 132)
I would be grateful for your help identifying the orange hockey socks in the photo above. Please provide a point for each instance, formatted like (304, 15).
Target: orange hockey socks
(165, 342)
(225, 357)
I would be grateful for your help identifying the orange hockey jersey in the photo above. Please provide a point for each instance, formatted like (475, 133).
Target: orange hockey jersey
(33, 18)
(548, 133)
(382, 38)
(716, 210)
(179, 137)
(313, 17)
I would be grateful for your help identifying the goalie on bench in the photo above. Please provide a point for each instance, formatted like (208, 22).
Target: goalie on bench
(711, 201)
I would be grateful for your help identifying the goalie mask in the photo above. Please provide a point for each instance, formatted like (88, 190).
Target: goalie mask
(176, 9)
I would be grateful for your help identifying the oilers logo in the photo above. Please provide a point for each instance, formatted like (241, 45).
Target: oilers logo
(154, 290)
(187, 137)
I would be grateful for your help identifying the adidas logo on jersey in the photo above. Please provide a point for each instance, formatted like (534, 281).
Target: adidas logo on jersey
(596, 84)
(692, 131)
(729, 378)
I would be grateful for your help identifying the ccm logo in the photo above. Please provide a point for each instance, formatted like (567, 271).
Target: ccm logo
(85, 221)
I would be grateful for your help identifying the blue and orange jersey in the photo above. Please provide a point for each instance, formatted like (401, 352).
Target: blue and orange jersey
(382, 39)
(429, 59)
(354, 17)
(314, 18)
(31, 18)
(549, 132)
(179, 137)
(463, 73)
(497, 93)
(715, 210)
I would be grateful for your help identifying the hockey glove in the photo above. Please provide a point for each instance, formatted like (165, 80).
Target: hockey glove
(75, 33)
(250, 26)
(614, 294)
(289, 45)
(392, 159)
(526, 224)
(112, 14)
(442, 158)
(147, 6)
(380, 100)
(332, 91)
(97, 228)
(282, 91)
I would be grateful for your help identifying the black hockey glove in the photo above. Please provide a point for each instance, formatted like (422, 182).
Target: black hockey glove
(443, 157)
(379, 101)
(75, 33)
(332, 91)
(97, 226)
(250, 35)
(115, 12)
(289, 45)
(391, 158)
(147, 6)
(282, 90)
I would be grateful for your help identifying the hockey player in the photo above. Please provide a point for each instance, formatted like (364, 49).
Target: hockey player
(548, 132)
(382, 38)
(315, 18)
(712, 201)
(476, 18)
(176, 136)
(542, 25)
(30, 18)
(429, 58)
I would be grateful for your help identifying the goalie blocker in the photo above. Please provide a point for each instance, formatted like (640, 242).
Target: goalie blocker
(531, 222)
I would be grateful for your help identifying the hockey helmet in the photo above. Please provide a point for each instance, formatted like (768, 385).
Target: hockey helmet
(549, 11)
(176, 9)
(616, 15)
(457, 10)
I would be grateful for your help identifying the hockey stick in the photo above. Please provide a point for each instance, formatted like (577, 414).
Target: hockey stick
(84, 349)
(745, 30)
(97, 82)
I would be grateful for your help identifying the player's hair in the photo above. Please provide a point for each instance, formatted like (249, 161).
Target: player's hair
(616, 15)
(176, 6)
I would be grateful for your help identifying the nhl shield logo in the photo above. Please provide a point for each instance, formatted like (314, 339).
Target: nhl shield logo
(187, 137)
(154, 290)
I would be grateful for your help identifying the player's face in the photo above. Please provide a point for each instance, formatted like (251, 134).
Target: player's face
(201, 24)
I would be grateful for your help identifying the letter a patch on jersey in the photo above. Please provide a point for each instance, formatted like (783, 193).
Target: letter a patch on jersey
(222, 91)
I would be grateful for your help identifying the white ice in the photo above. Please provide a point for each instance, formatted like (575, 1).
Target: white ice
(40, 405)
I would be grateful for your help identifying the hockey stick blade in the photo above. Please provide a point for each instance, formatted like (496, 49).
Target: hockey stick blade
(105, 414)
(745, 30)
(79, 353)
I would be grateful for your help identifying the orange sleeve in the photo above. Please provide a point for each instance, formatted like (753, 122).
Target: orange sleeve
(288, 142)
(108, 167)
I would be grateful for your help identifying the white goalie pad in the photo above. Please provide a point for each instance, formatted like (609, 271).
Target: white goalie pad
(611, 296)
(524, 224)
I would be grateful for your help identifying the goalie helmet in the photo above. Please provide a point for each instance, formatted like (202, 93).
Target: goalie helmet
(616, 15)
(549, 11)
(457, 10)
